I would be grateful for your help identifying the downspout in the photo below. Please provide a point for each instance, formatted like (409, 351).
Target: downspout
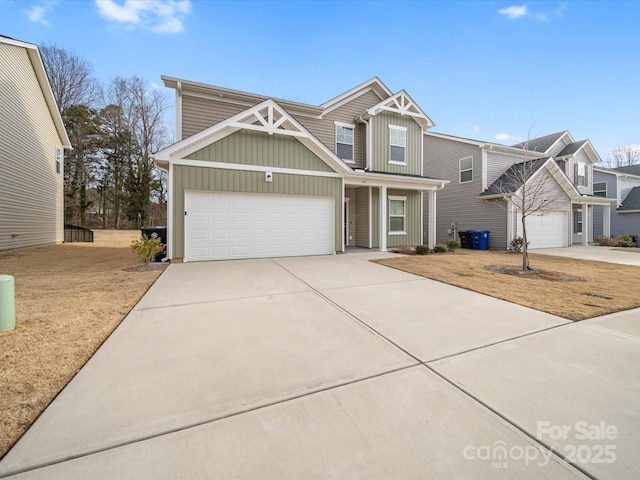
(367, 164)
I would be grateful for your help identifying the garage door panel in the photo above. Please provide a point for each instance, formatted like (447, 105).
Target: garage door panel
(546, 231)
(226, 225)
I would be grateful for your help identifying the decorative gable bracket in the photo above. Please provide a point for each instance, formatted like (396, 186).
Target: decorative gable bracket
(268, 118)
(403, 104)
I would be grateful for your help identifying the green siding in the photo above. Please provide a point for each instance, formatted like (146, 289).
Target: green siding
(375, 217)
(258, 148)
(380, 144)
(222, 180)
(413, 215)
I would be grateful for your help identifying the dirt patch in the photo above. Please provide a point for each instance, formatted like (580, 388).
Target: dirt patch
(516, 270)
(69, 298)
(567, 287)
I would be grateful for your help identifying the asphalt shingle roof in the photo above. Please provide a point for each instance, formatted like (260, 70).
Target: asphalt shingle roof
(632, 202)
(512, 179)
(631, 169)
(540, 144)
(572, 148)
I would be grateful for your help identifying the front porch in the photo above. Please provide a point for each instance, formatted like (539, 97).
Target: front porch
(582, 219)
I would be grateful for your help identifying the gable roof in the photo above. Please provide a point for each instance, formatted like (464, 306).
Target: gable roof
(403, 104)
(544, 144)
(267, 117)
(509, 182)
(45, 86)
(374, 84)
(572, 148)
(582, 145)
(629, 169)
(631, 202)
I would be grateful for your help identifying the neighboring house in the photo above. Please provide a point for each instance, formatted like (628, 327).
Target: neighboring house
(252, 176)
(32, 143)
(623, 184)
(483, 196)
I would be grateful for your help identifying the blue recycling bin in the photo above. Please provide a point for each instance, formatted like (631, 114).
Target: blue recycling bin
(480, 239)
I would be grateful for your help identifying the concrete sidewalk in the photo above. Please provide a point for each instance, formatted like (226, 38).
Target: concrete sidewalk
(336, 367)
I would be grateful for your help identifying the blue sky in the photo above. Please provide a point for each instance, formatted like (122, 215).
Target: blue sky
(495, 70)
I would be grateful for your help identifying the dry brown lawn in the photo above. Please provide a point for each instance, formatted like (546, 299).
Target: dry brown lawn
(570, 288)
(69, 298)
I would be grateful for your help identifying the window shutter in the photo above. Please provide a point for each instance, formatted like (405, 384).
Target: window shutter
(575, 174)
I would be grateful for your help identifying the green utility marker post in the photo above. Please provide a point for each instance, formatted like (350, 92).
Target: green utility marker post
(7, 303)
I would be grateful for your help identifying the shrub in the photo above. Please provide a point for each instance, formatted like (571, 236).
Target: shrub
(405, 249)
(516, 244)
(146, 248)
(440, 248)
(625, 241)
(422, 249)
(605, 241)
(453, 245)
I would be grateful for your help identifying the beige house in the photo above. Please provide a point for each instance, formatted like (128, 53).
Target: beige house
(32, 143)
(252, 176)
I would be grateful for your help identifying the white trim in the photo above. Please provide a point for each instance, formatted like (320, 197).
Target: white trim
(342, 217)
(484, 169)
(422, 217)
(431, 241)
(399, 129)
(593, 189)
(352, 127)
(394, 181)
(179, 111)
(343, 124)
(403, 104)
(402, 199)
(252, 168)
(383, 219)
(510, 225)
(394, 162)
(170, 212)
(370, 218)
(465, 170)
(354, 93)
(367, 161)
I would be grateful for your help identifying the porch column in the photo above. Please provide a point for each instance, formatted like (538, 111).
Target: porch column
(432, 219)
(383, 219)
(586, 222)
(606, 220)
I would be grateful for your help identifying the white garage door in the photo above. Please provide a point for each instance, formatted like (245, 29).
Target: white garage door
(546, 231)
(221, 226)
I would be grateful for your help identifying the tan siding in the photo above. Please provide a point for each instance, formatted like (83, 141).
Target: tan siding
(380, 144)
(375, 217)
(214, 179)
(31, 196)
(200, 113)
(352, 229)
(412, 219)
(258, 148)
(362, 217)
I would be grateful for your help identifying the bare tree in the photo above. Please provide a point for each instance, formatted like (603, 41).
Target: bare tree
(527, 187)
(623, 156)
(70, 77)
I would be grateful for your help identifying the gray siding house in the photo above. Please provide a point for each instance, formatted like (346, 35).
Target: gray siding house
(623, 184)
(252, 176)
(483, 194)
(32, 143)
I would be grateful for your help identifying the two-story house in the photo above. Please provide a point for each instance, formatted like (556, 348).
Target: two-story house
(623, 184)
(487, 181)
(32, 143)
(251, 176)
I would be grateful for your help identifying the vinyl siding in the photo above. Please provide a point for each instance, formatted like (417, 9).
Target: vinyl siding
(413, 212)
(362, 217)
(31, 192)
(498, 163)
(557, 148)
(258, 148)
(200, 113)
(222, 180)
(621, 223)
(352, 229)
(458, 203)
(380, 144)
(570, 170)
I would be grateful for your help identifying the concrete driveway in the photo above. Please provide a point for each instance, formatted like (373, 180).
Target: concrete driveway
(591, 252)
(336, 367)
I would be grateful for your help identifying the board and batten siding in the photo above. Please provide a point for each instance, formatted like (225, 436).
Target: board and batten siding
(352, 227)
(222, 180)
(31, 191)
(458, 203)
(413, 207)
(362, 217)
(380, 147)
(259, 148)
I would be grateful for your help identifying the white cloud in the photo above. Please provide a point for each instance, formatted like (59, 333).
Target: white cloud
(36, 13)
(514, 12)
(505, 137)
(476, 128)
(155, 86)
(160, 16)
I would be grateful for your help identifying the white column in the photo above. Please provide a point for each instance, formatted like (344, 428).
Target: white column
(586, 221)
(383, 219)
(606, 220)
(432, 219)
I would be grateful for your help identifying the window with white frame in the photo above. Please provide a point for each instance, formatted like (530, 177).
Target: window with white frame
(581, 174)
(344, 141)
(397, 215)
(578, 222)
(397, 144)
(600, 189)
(58, 158)
(466, 170)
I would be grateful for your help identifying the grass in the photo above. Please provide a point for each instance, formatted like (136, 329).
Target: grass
(566, 287)
(69, 298)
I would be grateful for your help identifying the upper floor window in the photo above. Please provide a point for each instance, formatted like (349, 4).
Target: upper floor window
(344, 141)
(466, 169)
(581, 174)
(58, 160)
(397, 144)
(397, 215)
(600, 189)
